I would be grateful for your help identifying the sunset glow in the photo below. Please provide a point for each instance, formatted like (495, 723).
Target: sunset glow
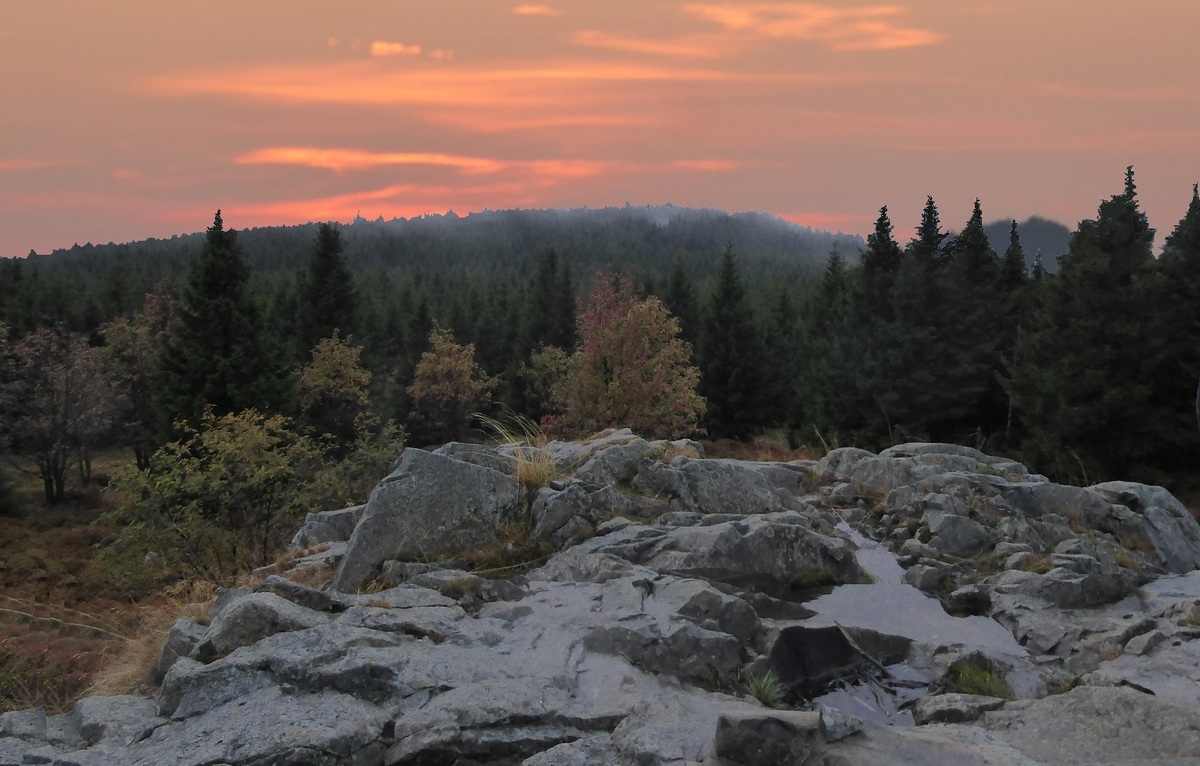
(125, 121)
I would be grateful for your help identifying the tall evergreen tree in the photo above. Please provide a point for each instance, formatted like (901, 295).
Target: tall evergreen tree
(680, 300)
(214, 355)
(879, 265)
(327, 296)
(731, 359)
(1174, 364)
(1081, 385)
(976, 324)
(828, 374)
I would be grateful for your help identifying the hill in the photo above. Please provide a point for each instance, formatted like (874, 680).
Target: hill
(1038, 235)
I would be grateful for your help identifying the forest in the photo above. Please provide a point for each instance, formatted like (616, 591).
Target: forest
(727, 326)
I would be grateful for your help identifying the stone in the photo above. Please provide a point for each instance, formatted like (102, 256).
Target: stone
(250, 619)
(953, 708)
(1098, 725)
(925, 578)
(836, 725)
(24, 724)
(116, 721)
(429, 503)
(1145, 643)
(770, 738)
(185, 635)
(956, 534)
(327, 527)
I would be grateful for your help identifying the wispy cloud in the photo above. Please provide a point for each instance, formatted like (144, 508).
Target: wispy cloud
(682, 48)
(353, 159)
(361, 82)
(709, 166)
(536, 10)
(873, 27)
(384, 48)
(28, 163)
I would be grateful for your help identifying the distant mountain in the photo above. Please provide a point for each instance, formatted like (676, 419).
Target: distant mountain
(1050, 238)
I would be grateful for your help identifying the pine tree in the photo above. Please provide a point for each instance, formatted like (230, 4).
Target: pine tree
(1081, 386)
(680, 300)
(327, 296)
(974, 327)
(880, 264)
(731, 360)
(1174, 360)
(214, 355)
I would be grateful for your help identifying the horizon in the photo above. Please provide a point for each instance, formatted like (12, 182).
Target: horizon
(137, 121)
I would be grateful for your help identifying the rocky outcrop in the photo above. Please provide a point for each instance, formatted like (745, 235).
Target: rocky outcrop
(684, 594)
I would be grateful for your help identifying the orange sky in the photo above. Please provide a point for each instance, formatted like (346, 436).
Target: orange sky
(134, 118)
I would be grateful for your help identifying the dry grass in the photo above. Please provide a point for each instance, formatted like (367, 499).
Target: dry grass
(1038, 564)
(535, 466)
(126, 667)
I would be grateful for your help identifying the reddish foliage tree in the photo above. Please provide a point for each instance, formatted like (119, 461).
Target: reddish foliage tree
(631, 368)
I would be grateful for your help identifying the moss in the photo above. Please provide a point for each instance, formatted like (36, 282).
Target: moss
(977, 675)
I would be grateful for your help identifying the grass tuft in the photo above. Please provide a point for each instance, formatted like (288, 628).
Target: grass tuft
(766, 687)
(535, 466)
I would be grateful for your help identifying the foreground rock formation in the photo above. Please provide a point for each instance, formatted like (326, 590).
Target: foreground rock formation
(1015, 620)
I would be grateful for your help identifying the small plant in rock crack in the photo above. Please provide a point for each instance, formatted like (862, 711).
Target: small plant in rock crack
(766, 687)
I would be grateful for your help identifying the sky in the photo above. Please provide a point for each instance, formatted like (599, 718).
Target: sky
(128, 119)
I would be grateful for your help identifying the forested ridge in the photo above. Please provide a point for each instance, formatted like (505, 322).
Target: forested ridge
(1087, 373)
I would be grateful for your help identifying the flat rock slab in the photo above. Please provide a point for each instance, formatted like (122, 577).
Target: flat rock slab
(1099, 725)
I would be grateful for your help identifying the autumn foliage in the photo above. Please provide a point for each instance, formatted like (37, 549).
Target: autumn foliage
(630, 369)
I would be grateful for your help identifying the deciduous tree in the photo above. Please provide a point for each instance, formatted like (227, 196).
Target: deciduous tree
(631, 368)
(447, 387)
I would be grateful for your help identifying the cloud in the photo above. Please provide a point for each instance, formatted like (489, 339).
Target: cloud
(28, 163)
(361, 82)
(831, 221)
(595, 39)
(536, 10)
(352, 159)
(709, 166)
(383, 48)
(839, 29)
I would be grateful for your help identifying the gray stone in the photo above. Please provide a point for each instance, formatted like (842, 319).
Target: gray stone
(1005, 548)
(1098, 725)
(616, 464)
(250, 619)
(770, 738)
(1145, 643)
(477, 454)
(956, 534)
(327, 527)
(710, 486)
(595, 750)
(431, 503)
(953, 708)
(925, 578)
(836, 725)
(116, 721)
(301, 595)
(24, 724)
(838, 463)
(185, 635)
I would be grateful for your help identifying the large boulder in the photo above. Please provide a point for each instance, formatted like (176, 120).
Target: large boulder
(429, 504)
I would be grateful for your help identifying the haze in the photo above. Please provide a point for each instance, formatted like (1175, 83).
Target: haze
(136, 118)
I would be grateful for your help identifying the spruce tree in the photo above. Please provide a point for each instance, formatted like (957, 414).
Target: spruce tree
(975, 325)
(214, 355)
(880, 263)
(680, 300)
(327, 296)
(1174, 360)
(731, 359)
(1081, 385)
